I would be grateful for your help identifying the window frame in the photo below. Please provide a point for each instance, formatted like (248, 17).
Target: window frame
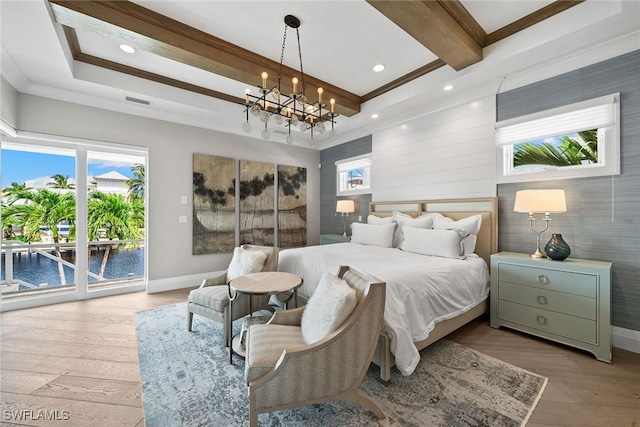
(353, 163)
(608, 142)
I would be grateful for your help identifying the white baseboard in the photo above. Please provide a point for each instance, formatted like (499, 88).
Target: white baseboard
(626, 339)
(172, 283)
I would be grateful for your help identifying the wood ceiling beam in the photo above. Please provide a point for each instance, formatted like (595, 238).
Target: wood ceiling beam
(404, 79)
(78, 55)
(466, 21)
(149, 31)
(531, 19)
(429, 23)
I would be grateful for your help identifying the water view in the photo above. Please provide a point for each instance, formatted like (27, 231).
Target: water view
(43, 272)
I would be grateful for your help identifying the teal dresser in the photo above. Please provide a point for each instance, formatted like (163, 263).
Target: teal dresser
(565, 301)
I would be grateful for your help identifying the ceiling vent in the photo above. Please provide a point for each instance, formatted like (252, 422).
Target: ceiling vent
(138, 101)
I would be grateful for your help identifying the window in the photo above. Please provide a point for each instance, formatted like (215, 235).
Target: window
(353, 175)
(577, 140)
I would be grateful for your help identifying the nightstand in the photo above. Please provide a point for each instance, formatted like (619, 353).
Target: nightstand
(565, 301)
(327, 239)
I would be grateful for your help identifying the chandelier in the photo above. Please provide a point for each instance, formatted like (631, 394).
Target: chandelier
(292, 110)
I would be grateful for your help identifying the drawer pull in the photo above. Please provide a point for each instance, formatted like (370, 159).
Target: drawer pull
(541, 320)
(542, 299)
(542, 279)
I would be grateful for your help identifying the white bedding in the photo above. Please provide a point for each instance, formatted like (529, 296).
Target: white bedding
(421, 290)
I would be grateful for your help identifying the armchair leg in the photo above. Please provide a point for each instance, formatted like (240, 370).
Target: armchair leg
(366, 402)
(253, 418)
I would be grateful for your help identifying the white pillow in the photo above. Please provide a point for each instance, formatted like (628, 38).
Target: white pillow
(371, 234)
(329, 306)
(377, 220)
(471, 225)
(441, 243)
(404, 220)
(245, 261)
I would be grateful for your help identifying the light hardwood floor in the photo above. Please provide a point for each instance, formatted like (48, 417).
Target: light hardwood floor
(81, 357)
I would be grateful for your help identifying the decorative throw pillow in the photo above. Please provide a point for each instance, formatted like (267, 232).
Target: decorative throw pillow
(404, 220)
(245, 261)
(329, 306)
(371, 234)
(377, 220)
(441, 243)
(471, 225)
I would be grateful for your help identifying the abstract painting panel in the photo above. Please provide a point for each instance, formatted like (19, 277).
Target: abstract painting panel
(292, 206)
(257, 205)
(214, 218)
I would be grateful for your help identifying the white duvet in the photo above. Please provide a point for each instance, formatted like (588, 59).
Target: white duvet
(421, 290)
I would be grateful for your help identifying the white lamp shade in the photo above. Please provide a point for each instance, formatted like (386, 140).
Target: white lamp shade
(540, 201)
(345, 206)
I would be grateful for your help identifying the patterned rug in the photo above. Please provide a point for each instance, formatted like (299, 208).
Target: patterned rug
(187, 381)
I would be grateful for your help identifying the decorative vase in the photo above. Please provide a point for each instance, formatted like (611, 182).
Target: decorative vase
(556, 248)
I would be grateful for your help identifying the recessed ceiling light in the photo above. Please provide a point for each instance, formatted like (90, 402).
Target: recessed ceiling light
(448, 87)
(126, 48)
(374, 116)
(379, 67)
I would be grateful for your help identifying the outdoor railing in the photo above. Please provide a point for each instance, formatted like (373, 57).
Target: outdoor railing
(11, 247)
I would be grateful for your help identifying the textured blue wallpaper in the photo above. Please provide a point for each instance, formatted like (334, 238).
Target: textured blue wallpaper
(603, 218)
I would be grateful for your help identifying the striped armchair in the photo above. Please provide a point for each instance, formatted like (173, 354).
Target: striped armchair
(282, 371)
(211, 299)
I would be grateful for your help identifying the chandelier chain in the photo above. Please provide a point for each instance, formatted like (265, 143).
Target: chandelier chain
(300, 53)
(284, 43)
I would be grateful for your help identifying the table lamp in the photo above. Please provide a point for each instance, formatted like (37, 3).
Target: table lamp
(540, 201)
(344, 208)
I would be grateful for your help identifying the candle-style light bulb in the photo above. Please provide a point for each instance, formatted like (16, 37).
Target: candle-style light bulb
(333, 104)
(295, 84)
(246, 94)
(264, 79)
(320, 90)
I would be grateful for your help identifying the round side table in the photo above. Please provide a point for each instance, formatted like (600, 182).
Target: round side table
(263, 283)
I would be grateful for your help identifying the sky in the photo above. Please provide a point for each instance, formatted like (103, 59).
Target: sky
(36, 169)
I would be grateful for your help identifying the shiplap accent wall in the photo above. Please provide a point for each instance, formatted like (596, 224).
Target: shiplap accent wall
(603, 220)
(329, 222)
(446, 154)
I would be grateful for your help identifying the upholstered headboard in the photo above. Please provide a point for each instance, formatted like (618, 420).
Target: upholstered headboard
(456, 209)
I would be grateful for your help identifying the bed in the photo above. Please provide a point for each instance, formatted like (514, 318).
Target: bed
(427, 297)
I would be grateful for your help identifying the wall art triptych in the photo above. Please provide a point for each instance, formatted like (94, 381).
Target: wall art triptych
(214, 204)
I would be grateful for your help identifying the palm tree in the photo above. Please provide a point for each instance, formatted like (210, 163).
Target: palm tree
(119, 218)
(62, 182)
(570, 152)
(15, 192)
(43, 208)
(136, 184)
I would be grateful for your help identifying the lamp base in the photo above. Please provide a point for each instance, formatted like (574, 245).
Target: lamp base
(537, 254)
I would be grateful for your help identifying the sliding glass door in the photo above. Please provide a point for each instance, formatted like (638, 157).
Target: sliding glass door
(63, 202)
(115, 219)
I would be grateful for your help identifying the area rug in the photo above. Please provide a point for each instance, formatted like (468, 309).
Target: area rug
(187, 381)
